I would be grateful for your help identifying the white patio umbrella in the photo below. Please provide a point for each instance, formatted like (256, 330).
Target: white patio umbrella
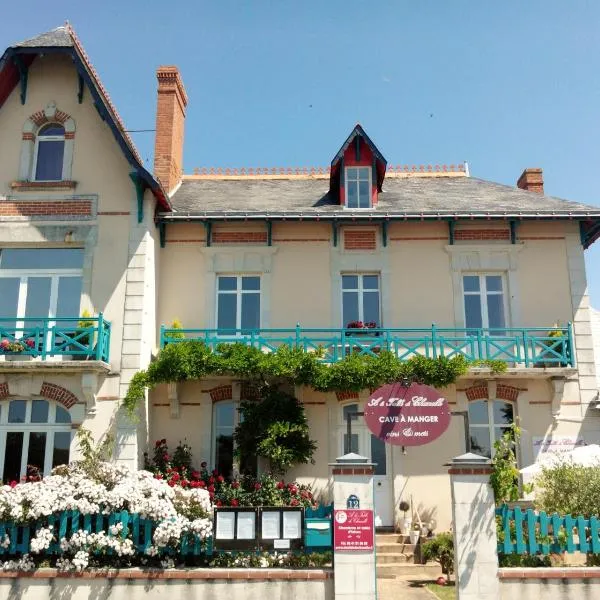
(586, 456)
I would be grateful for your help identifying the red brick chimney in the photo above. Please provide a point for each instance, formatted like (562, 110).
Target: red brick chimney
(531, 180)
(170, 120)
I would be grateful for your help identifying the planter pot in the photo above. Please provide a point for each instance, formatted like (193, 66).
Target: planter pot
(414, 537)
(424, 532)
(406, 525)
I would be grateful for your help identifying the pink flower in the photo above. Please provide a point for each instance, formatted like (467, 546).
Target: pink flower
(294, 502)
(30, 343)
(13, 484)
(235, 485)
(4, 344)
(257, 486)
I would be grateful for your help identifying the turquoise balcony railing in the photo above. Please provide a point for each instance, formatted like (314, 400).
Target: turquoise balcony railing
(44, 338)
(526, 347)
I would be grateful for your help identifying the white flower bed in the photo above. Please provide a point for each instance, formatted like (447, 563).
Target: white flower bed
(106, 489)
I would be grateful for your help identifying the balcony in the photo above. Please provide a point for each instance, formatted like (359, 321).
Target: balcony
(520, 347)
(47, 338)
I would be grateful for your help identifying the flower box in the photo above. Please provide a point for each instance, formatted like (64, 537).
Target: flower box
(358, 328)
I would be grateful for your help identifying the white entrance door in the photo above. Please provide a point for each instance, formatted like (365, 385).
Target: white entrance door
(384, 503)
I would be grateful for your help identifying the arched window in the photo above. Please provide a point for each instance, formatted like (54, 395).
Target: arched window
(488, 420)
(49, 153)
(35, 437)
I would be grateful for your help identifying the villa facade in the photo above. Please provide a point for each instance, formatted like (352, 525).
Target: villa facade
(358, 257)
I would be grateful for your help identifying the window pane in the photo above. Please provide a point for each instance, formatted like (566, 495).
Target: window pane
(51, 129)
(352, 173)
(60, 453)
(480, 441)
(350, 282)
(39, 411)
(37, 452)
(62, 415)
(471, 283)
(41, 258)
(371, 282)
(354, 446)
(378, 455)
(224, 413)
(493, 283)
(69, 297)
(363, 173)
(49, 160)
(224, 454)
(503, 412)
(350, 307)
(473, 311)
(251, 283)
(38, 299)
(349, 409)
(364, 190)
(496, 310)
(227, 283)
(250, 311)
(16, 411)
(12, 456)
(371, 307)
(500, 431)
(352, 200)
(9, 298)
(226, 311)
(478, 412)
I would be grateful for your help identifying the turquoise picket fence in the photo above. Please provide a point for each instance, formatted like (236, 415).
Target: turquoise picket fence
(65, 523)
(532, 532)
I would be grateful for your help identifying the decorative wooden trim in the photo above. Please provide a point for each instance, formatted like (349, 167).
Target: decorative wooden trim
(25, 186)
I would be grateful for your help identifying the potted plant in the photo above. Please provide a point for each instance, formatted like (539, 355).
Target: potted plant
(406, 524)
(171, 335)
(556, 348)
(68, 340)
(361, 328)
(415, 534)
(12, 349)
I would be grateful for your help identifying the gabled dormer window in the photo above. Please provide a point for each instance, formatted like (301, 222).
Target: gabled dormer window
(358, 187)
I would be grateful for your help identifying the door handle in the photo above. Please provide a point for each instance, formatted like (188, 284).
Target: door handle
(379, 483)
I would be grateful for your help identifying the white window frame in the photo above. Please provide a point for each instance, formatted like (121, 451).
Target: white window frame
(239, 293)
(491, 426)
(346, 181)
(48, 138)
(483, 294)
(49, 428)
(360, 290)
(24, 275)
(358, 427)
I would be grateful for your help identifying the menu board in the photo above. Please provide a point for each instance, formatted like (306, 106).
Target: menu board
(246, 526)
(292, 525)
(225, 525)
(270, 525)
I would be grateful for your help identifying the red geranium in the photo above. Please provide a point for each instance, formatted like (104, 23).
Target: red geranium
(234, 502)
(280, 485)
(257, 486)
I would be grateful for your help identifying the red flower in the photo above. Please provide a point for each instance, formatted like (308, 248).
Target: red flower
(195, 475)
(218, 503)
(235, 502)
(280, 485)
(235, 485)
(165, 457)
(211, 495)
(195, 484)
(201, 484)
(13, 483)
(30, 343)
(211, 488)
(158, 476)
(257, 486)
(215, 472)
(4, 344)
(211, 480)
(292, 488)
(185, 483)
(220, 479)
(304, 494)
(294, 502)
(157, 443)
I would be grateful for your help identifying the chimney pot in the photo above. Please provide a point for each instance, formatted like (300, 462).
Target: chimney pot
(170, 121)
(531, 180)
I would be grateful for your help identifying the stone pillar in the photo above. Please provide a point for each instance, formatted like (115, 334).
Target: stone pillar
(355, 575)
(473, 515)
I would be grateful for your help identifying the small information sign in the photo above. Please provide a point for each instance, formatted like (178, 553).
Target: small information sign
(353, 529)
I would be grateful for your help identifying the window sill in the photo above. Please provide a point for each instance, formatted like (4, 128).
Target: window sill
(25, 186)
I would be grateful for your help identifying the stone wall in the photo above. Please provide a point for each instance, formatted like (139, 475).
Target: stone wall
(573, 583)
(192, 584)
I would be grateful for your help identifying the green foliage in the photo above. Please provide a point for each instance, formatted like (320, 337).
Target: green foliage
(175, 335)
(193, 360)
(568, 489)
(274, 427)
(524, 560)
(505, 474)
(247, 560)
(441, 549)
(93, 456)
(496, 366)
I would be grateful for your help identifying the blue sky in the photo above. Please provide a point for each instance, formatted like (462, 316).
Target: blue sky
(503, 85)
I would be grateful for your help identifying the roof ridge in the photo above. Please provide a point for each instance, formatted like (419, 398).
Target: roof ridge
(84, 56)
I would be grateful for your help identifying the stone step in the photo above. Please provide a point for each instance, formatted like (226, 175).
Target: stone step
(394, 547)
(393, 538)
(393, 557)
(408, 571)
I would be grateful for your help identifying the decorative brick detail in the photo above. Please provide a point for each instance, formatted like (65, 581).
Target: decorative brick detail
(51, 391)
(239, 237)
(3, 391)
(477, 392)
(532, 180)
(470, 471)
(341, 396)
(222, 392)
(481, 234)
(27, 186)
(507, 392)
(40, 118)
(352, 471)
(28, 136)
(36, 208)
(360, 239)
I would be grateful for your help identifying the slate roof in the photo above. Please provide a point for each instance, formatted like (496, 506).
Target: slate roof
(59, 37)
(445, 196)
